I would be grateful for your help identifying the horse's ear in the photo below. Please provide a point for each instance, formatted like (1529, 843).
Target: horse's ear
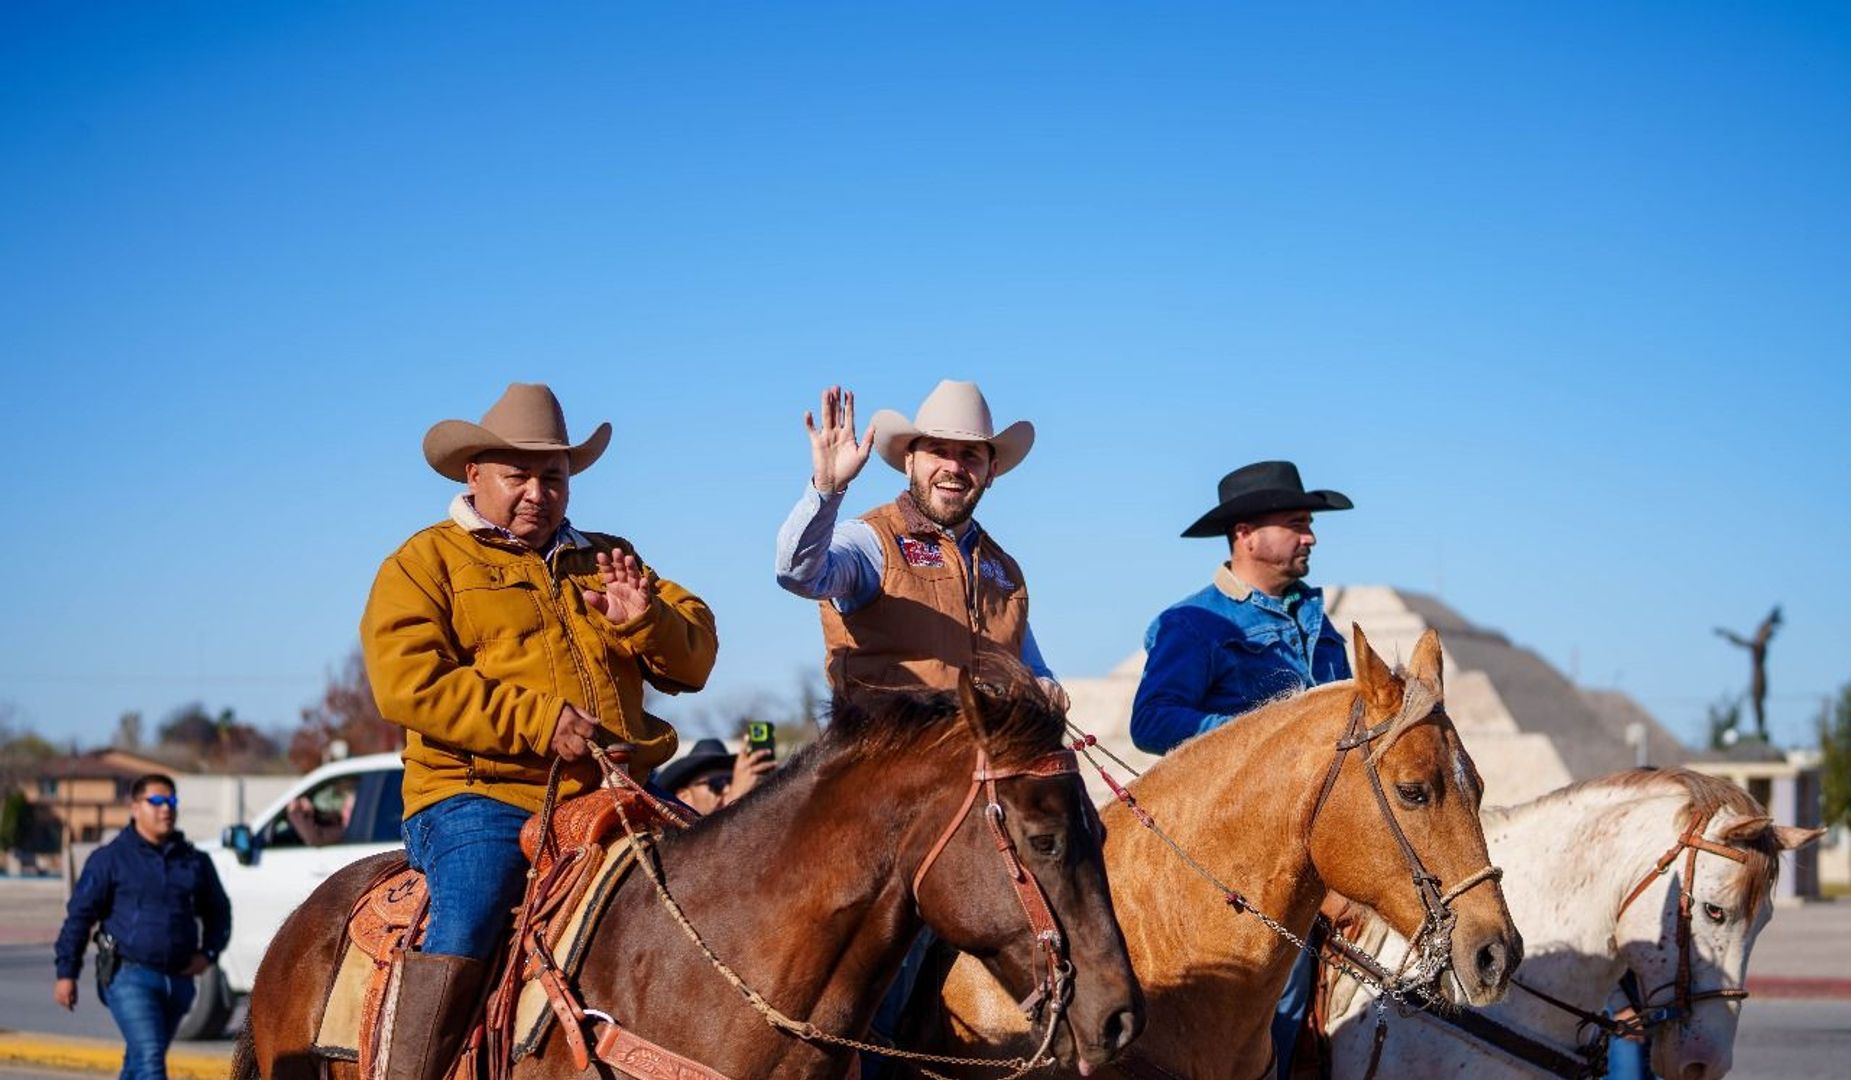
(1426, 663)
(1745, 830)
(1381, 690)
(970, 707)
(1792, 837)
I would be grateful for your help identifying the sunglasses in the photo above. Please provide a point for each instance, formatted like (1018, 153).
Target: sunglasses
(717, 784)
(172, 802)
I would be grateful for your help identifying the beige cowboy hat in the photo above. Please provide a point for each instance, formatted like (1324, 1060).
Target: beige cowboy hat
(953, 410)
(527, 417)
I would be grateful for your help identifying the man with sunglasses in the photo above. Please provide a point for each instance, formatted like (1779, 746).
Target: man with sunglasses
(152, 891)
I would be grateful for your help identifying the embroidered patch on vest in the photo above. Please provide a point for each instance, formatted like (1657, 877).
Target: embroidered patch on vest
(920, 553)
(994, 571)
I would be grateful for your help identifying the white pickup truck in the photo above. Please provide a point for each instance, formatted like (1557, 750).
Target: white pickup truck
(343, 811)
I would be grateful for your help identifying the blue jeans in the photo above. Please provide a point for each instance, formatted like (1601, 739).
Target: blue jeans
(468, 848)
(890, 1016)
(147, 1005)
(1628, 1060)
(1295, 1003)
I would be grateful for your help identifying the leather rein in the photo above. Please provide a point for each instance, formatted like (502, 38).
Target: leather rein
(635, 1056)
(1057, 971)
(1589, 1059)
(1433, 941)
(1682, 998)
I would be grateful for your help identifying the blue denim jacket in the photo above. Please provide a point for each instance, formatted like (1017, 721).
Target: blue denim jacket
(1224, 651)
(162, 903)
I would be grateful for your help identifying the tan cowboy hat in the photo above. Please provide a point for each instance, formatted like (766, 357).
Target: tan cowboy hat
(953, 410)
(527, 417)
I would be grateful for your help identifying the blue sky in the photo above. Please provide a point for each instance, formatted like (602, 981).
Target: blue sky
(1557, 293)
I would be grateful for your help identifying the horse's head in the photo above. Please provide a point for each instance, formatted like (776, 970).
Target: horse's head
(1010, 872)
(1396, 825)
(1716, 866)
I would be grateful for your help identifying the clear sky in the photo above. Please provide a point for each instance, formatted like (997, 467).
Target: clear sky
(1559, 294)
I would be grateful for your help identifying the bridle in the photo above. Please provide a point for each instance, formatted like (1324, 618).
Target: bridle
(1432, 942)
(1678, 1008)
(1589, 1059)
(1056, 983)
(636, 1056)
(1434, 938)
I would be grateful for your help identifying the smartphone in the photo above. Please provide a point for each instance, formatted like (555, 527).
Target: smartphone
(760, 735)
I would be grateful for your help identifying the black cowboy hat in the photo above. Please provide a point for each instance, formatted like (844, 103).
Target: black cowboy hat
(1264, 487)
(704, 755)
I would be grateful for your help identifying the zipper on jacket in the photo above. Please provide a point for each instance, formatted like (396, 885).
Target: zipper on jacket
(560, 610)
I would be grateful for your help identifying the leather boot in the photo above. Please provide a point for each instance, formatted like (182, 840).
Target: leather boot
(437, 997)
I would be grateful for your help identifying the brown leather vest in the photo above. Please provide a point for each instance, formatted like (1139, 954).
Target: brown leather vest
(930, 620)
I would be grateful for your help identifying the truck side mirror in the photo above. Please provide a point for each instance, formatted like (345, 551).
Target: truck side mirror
(238, 839)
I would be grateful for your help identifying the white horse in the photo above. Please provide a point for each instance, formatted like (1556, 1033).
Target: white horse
(1600, 875)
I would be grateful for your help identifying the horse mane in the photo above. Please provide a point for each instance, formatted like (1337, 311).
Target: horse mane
(1418, 700)
(1706, 796)
(1015, 727)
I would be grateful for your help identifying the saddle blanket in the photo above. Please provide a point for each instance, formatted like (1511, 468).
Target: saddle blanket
(390, 917)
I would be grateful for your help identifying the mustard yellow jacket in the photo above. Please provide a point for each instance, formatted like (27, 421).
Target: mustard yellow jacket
(473, 643)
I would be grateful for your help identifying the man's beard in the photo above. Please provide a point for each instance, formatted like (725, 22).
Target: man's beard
(923, 494)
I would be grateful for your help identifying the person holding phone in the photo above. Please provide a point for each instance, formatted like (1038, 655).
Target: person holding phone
(710, 776)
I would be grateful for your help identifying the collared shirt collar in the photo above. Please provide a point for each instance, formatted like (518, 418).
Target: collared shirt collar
(463, 512)
(1231, 585)
(1240, 592)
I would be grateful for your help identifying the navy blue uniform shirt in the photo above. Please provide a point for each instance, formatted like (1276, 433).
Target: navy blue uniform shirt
(153, 899)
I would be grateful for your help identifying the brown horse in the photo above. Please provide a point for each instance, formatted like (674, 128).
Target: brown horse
(1273, 806)
(806, 888)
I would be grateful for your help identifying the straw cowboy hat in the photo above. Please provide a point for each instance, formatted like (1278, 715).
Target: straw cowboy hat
(953, 410)
(527, 417)
(1264, 487)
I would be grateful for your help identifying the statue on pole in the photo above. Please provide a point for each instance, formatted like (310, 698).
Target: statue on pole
(1757, 656)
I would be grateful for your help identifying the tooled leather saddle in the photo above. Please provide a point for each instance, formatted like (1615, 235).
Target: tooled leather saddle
(576, 868)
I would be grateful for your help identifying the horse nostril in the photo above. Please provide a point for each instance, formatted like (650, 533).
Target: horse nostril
(1120, 1028)
(1696, 1070)
(1491, 958)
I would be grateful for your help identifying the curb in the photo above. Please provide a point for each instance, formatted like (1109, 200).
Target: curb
(102, 1055)
(1789, 986)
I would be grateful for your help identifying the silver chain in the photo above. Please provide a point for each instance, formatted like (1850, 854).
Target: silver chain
(1398, 989)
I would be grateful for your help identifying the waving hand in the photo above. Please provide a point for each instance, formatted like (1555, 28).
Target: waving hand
(835, 456)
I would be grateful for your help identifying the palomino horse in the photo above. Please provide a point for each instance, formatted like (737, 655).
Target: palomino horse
(1358, 786)
(811, 889)
(1601, 883)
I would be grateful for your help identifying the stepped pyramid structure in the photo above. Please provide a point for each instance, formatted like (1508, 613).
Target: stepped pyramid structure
(1528, 728)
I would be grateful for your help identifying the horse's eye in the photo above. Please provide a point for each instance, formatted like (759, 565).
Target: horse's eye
(1045, 844)
(1412, 794)
(1715, 914)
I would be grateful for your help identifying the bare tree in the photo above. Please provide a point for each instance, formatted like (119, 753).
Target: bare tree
(347, 713)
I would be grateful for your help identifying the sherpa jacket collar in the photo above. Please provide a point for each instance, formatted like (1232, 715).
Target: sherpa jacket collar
(463, 512)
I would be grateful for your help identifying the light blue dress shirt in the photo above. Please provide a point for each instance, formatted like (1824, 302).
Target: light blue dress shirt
(821, 559)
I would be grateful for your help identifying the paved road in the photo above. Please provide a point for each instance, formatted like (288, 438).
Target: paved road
(1778, 1040)
(25, 997)
(1782, 1040)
